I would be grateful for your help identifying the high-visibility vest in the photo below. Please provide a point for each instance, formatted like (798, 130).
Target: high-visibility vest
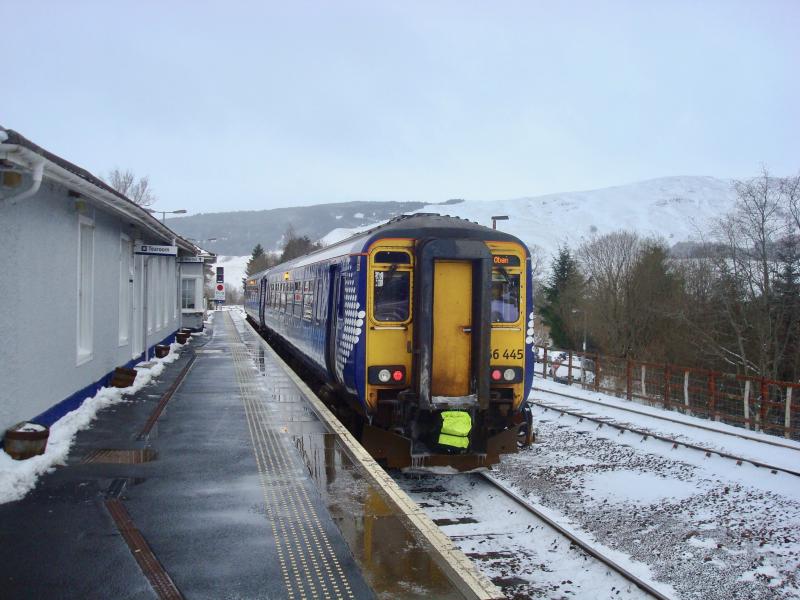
(456, 425)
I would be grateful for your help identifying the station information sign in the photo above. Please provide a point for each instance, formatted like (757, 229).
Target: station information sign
(190, 259)
(155, 250)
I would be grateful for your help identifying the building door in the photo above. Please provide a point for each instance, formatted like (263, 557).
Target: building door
(451, 369)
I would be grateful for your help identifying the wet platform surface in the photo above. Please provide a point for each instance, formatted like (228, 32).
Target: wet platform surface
(240, 491)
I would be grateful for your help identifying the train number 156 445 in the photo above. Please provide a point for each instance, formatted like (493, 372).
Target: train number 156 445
(507, 353)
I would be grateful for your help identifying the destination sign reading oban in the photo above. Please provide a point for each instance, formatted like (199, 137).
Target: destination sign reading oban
(506, 260)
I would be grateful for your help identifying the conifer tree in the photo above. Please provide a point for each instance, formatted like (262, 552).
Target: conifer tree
(557, 301)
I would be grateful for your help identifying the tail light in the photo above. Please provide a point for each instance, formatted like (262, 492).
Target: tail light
(386, 375)
(506, 374)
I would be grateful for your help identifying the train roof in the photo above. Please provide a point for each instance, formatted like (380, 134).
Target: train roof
(416, 225)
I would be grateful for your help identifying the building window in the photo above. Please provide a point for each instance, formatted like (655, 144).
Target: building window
(125, 288)
(85, 289)
(188, 293)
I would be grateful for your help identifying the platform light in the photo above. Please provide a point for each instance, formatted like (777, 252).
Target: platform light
(496, 218)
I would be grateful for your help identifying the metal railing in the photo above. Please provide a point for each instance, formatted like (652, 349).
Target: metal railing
(746, 401)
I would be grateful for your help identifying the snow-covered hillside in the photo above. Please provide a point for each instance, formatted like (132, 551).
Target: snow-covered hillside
(671, 207)
(674, 208)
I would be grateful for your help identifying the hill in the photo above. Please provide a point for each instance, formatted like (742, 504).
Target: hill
(236, 233)
(673, 208)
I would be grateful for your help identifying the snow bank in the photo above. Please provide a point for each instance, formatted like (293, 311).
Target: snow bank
(18, 477)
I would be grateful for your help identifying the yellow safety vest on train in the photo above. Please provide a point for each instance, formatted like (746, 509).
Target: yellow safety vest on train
(456, 425)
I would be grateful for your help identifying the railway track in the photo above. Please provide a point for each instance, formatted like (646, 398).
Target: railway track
(592, 551)
(523, 550)
(740, 435)
(627, 427)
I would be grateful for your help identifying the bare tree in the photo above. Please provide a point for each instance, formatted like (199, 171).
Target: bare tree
(751, 267)
(631, 296)
(127, 184)
(790, 190)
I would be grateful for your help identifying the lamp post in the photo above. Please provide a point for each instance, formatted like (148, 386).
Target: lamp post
(164, 213)
(497, 218)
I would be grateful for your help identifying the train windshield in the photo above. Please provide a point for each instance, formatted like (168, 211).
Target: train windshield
(391, 295)
(505, 297)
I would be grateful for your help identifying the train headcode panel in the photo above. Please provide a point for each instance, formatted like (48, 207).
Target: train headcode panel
(417, 332)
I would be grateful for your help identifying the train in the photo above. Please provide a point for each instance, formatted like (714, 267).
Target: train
(419, 332)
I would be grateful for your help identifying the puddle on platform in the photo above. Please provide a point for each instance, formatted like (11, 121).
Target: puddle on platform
(394, 563)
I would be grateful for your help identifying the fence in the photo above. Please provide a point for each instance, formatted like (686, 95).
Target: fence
(751, 402)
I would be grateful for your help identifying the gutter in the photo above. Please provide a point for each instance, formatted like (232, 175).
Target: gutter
(37, 168)
(31, 160)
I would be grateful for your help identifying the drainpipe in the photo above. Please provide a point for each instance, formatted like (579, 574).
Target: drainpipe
(37, 173)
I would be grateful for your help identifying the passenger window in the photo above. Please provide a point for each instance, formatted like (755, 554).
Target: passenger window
(505, 297)
(318, 313)
(298, 299)
(308, 301)
(391, 292)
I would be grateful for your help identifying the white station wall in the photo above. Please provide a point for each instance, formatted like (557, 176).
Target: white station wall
(41, 363)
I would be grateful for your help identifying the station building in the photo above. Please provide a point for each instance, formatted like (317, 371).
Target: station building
(90, 282)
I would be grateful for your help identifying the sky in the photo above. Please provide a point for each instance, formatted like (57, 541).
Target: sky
(251, 105)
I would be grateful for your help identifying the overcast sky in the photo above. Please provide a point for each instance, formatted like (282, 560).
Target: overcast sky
(249, 105)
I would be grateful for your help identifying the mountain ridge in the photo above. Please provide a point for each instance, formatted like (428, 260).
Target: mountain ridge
(676, 208)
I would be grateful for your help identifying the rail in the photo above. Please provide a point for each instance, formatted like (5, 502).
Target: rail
(585, 546)
(675, 443)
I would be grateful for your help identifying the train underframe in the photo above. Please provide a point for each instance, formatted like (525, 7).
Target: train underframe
(408, 438)
(401, 436)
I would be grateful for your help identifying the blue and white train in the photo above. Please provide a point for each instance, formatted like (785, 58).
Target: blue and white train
(423, 326)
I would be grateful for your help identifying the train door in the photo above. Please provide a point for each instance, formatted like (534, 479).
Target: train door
(451, 365)
(262, 300)
(334, 308)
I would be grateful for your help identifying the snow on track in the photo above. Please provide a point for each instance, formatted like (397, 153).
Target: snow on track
(710, 528)
(760, 447)
(521, 554)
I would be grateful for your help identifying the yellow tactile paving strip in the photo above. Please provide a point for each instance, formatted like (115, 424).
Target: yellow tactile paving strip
(458, 568)
(307, 560)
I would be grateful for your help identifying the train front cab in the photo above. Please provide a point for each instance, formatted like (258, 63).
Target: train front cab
(446, 329)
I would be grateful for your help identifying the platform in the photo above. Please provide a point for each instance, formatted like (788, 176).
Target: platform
(241, 488)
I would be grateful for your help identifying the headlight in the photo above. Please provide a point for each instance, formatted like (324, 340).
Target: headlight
(384, 375)
(509, 374)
